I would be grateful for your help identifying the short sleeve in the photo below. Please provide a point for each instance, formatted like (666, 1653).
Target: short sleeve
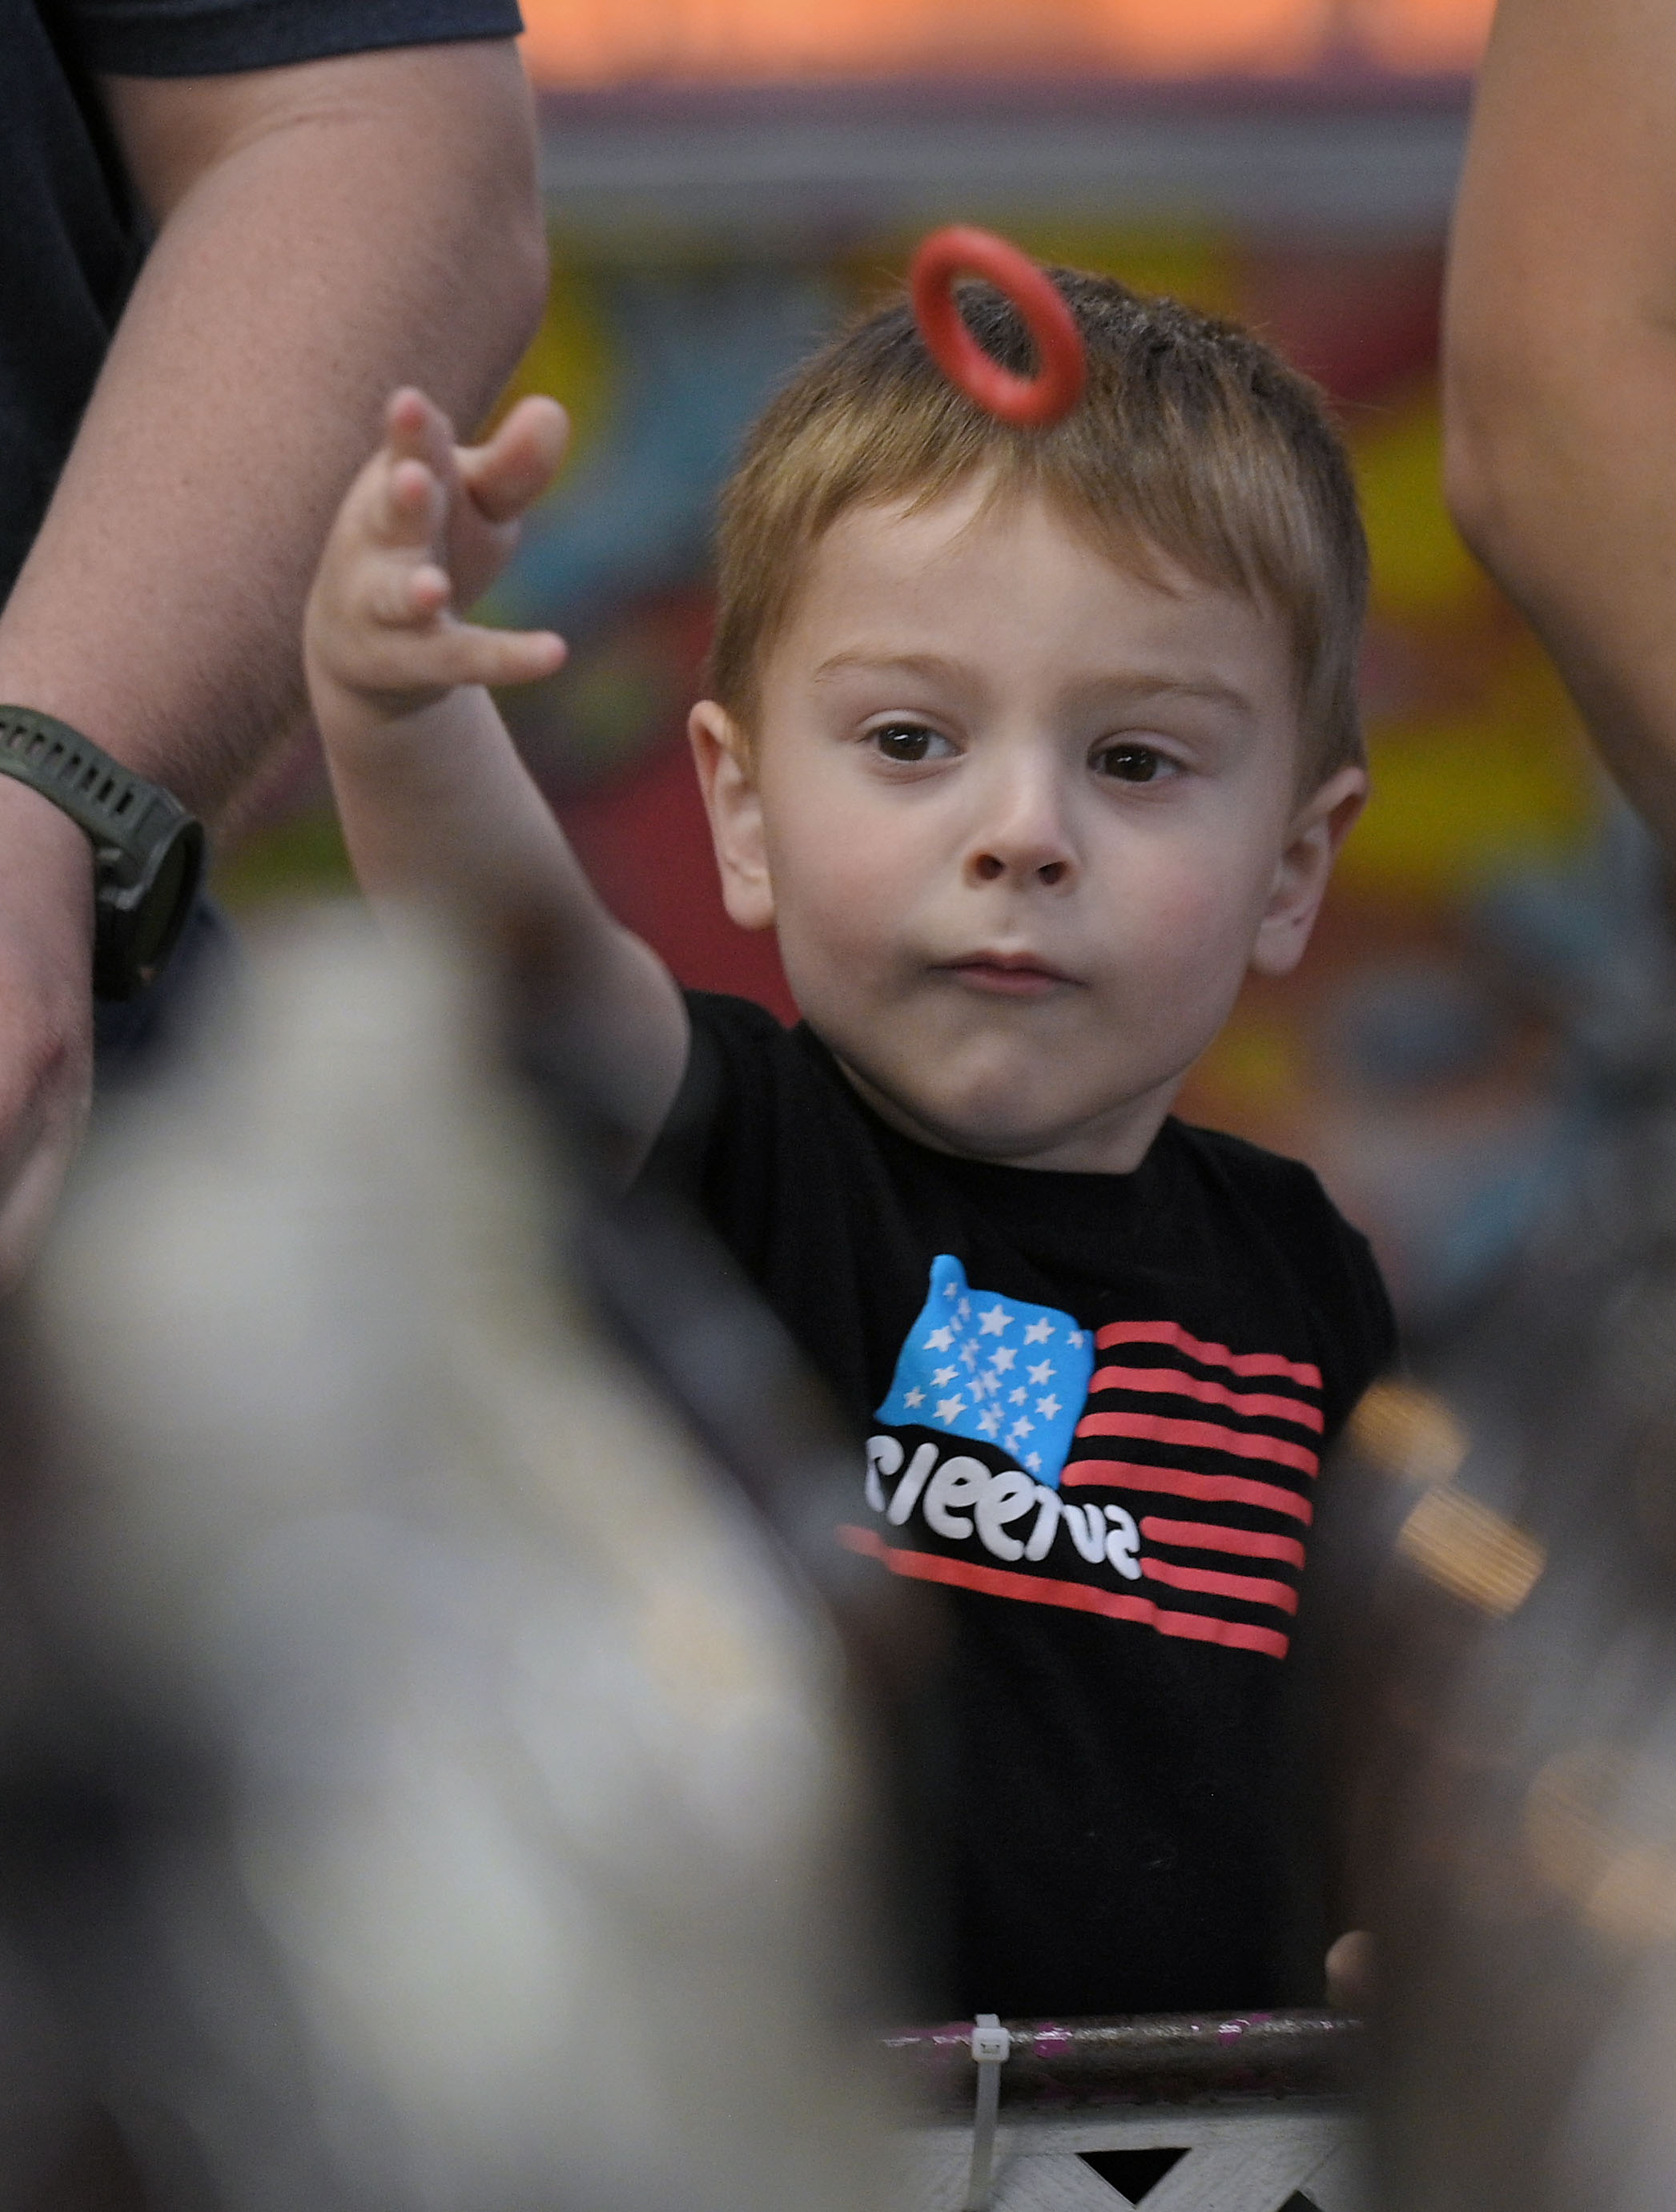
(1357, 1324)
(1284, 1208)
(1370, 1323)
(219, 37)
(718, 1148)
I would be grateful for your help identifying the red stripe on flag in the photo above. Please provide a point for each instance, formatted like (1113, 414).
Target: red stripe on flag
(1207, 1536)
(1214, 1355)
(1177, 1482)
(1175, 1385)
(1074, 1597)
(1252, 1590)
(1160, 1428)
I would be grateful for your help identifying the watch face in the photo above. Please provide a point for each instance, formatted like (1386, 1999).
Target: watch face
(163, 909)
(137, 927)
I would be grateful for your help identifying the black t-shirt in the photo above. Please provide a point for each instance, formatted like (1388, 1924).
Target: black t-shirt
(1096, 1407)
(71, 235)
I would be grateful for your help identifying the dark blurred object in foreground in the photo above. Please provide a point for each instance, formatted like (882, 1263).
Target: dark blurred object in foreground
(1503, 1569)
(424, 1784)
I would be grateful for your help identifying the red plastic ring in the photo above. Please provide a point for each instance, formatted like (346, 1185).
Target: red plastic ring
(1032, 401)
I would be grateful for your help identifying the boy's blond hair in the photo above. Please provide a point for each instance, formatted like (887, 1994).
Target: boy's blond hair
(1193, 439)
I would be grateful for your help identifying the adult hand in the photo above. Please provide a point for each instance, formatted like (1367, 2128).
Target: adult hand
(46, 1011)
(1350, 1978)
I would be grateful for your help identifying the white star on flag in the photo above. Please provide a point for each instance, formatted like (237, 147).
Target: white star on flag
(1038, 1332)
(989, 1420)
(1048, 1407)
(939, 1340)
(1021, 1427)
(1043, 1372)
(1002, 1358)
(916, 1396)
(950, 1409)
(968, 1353)
(1034, 1463)
(963, 1310)
(1017, 1397)
(948, 1289)
(943, 1376)
(993, 1320)
(1075, 1339)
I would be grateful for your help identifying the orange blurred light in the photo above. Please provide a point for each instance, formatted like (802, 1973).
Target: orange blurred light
(606, 42)
(1424, 34)
(1157, 40)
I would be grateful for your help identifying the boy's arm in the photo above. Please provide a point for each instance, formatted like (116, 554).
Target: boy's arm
(1560, 360)
(436, 806)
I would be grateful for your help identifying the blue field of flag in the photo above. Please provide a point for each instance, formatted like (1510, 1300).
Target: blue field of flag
(995, 1369)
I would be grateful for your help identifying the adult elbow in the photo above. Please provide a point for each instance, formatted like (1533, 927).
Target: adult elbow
(513, 294)
(1490, 444)
(518, 251)
(504, 250)
(1469, 482)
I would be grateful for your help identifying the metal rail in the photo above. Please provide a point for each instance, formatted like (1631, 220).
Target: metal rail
(1153, 2058)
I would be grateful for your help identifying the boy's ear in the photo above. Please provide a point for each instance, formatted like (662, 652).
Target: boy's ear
(734, 805)
(1318, 828)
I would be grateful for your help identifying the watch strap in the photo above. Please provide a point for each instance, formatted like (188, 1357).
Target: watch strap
(148, 851)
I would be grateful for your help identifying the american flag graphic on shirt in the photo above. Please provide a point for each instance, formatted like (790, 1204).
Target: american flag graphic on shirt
(1183, 1505)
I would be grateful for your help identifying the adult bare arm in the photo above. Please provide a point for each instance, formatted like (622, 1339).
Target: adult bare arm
(1560, 360)
(325, 230)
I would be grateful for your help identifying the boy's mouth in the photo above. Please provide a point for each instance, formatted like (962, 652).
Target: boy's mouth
(1010, 975)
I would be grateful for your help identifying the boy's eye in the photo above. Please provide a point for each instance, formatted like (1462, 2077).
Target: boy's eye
(1130, 764)
(908, 742)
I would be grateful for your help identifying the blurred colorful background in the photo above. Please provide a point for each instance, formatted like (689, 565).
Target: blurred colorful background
(729, 178)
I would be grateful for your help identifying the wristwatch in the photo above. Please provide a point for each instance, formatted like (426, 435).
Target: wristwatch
(149, 852)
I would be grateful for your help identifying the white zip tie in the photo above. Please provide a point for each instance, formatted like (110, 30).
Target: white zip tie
(992, 2046)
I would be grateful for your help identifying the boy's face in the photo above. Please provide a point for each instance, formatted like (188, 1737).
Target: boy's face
(1023, 821)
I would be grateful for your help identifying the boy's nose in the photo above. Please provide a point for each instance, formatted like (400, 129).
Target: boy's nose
(1023, 835)
(989, 866)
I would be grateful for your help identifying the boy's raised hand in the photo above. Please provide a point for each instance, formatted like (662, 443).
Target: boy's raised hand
(425, 527)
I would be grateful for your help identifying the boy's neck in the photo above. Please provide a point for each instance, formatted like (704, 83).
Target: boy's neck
(1114, 1144)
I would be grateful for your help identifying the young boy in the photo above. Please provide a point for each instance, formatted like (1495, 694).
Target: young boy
(1030, 745)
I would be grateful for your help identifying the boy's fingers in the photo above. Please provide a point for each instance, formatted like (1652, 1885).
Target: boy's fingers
(461, 653)
(408, 504)
(398, 597)
(501, 656)
(396, 663)
(428, 590)
(416, 428)
(518, 462)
